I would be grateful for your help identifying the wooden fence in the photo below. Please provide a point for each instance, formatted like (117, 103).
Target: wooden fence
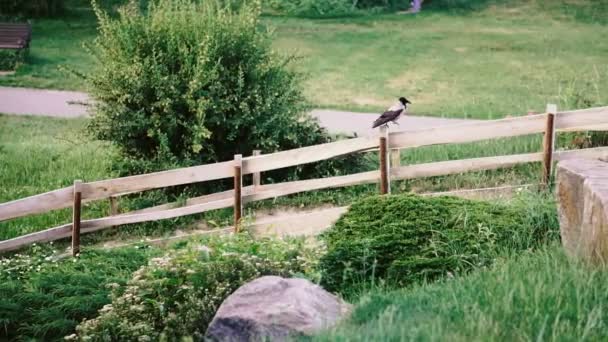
(73, 196)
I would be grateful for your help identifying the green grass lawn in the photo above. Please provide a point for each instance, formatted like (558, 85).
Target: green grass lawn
(44, 154)
(488, 63)
(541, 296)
(43, 298)
(57, 44)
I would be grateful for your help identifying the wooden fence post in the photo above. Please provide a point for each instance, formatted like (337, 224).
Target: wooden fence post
(113, 206)
(395, 157)
(76, 217)
(238, 184)
(385, 186)
(549, 144)
(257, 180)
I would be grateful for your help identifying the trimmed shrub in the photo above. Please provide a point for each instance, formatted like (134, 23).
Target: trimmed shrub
(11, 59)
(176, 296)
(187, 83)
(405, 239)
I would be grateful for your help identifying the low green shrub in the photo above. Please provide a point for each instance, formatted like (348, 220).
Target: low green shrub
(405, 239)
(44, 298)
(535, 296)
(177, 295)
(11, 59)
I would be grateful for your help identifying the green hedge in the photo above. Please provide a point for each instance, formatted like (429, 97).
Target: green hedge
(406, 239)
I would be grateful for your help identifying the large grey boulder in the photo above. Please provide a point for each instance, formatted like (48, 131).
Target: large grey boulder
(582, 193)
(273, 308)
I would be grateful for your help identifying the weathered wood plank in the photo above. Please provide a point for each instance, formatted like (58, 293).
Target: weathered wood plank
(257, 176)
(195, 174)
(469, 132)
(549, 144)
(47, 235)
(76, 210)
(595, 127)
(306, 155)
(583, 119)
(459, 166)
(195, 200)
(385, 185)
(282, 189)
(238, 194)
(595, 153)
(155, 215)
(57, 199)
(93, 225)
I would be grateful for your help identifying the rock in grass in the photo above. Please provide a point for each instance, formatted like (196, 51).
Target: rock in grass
(582, 191)
(273, 308)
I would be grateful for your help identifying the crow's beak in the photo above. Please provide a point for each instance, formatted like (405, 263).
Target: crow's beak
(406, 101)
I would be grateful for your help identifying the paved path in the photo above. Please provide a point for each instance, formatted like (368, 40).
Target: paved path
(361, 123)
(69, 104)
(56, 103)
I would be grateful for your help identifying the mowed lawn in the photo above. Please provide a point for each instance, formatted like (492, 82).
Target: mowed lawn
(43, 154)
(495, 61)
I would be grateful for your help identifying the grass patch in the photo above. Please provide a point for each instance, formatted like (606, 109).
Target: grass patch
(44, 154)
(44, 298)
(540, 296)
(500, 59)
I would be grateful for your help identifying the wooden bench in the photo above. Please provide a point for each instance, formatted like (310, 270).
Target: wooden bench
(15, 36)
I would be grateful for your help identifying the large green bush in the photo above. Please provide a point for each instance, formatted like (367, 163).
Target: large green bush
(406, 239)
(176, 296)
(187, 83)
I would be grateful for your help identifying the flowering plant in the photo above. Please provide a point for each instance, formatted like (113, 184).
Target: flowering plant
(177, 295)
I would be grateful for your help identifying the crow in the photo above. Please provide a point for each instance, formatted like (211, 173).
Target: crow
(393, 113)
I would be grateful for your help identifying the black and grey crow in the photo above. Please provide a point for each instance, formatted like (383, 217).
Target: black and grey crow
(393, 113)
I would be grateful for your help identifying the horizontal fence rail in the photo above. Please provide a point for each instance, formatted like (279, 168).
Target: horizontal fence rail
(469, 132)
(587, 119)
(52, 200)
(306, 155)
